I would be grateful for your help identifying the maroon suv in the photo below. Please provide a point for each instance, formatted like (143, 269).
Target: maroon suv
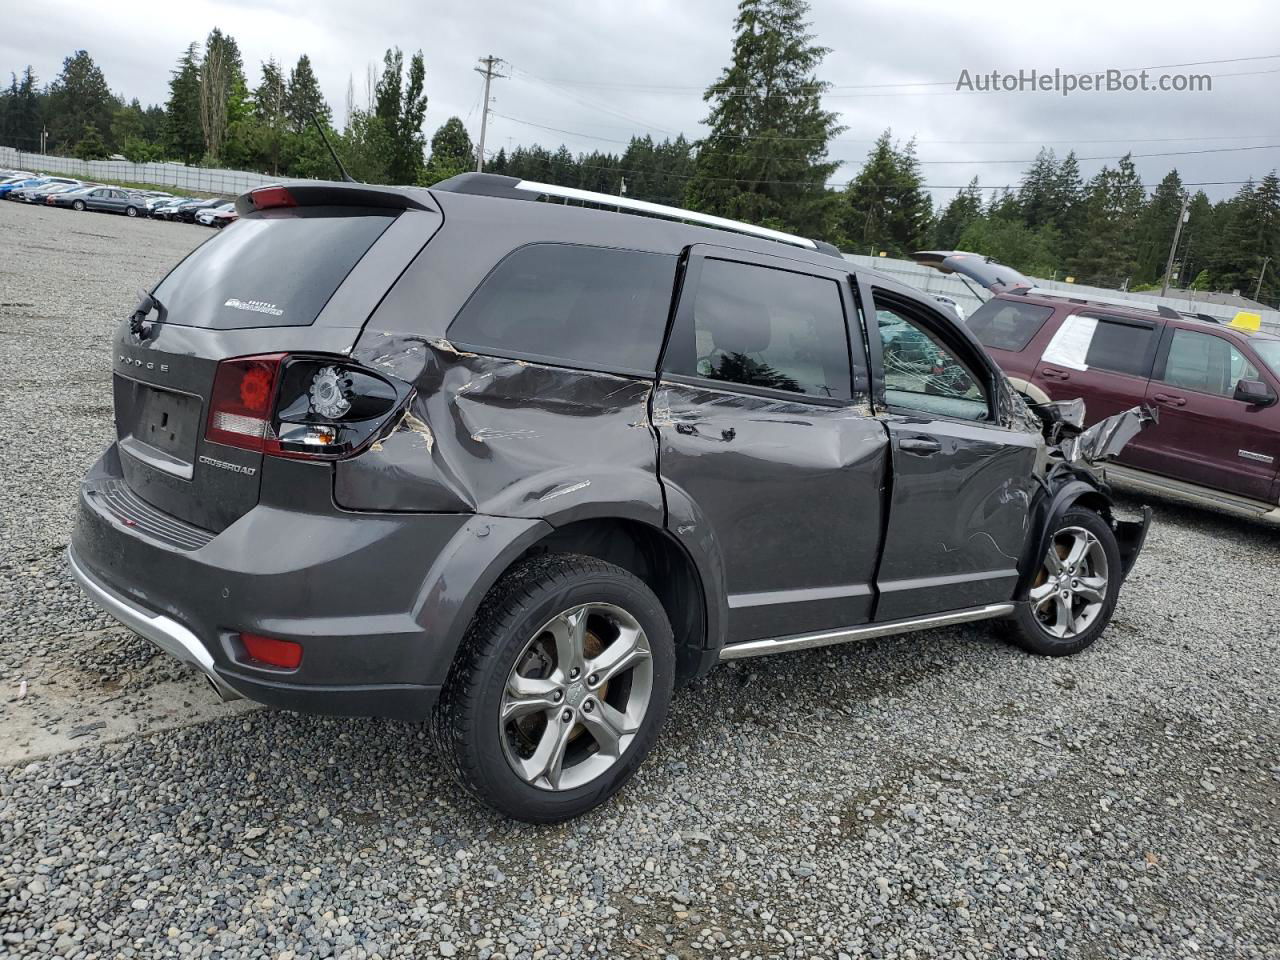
(1215, 386)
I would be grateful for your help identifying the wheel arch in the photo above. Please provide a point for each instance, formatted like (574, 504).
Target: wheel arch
(1048, 508)
(1029, 390)
(653, 555)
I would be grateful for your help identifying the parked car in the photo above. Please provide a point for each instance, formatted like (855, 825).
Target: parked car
(16, 183)
(104, 199)
(415, 453)
(38, 194)
(186, 212)
(75, 199)
(207, 216)
(1218, 437)
(162, 207)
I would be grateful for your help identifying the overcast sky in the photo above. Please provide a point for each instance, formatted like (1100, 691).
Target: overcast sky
(604, 70)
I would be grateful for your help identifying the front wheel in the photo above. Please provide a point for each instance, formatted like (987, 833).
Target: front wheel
(1074, 592)
(78, 206)
(130, 211)
(559, 689)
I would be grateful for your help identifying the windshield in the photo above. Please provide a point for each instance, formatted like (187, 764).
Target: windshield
(1269, 352)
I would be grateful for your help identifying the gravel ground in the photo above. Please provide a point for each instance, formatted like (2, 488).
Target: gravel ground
(933, 795)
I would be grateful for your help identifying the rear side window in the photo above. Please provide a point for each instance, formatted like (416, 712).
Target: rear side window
(1122, 347)
(588, 306)
(1008, 324)
(762, 327)
(272, 270)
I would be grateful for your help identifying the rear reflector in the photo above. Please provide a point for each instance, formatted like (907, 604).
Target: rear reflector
(272, 652)
(243, 396)
(264, 198)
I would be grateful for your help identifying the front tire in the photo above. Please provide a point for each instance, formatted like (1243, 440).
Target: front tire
(130, 211)
(559, 689)
(1073, 593)
(78, 206)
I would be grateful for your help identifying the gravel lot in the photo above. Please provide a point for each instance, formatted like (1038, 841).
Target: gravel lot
(933, 795)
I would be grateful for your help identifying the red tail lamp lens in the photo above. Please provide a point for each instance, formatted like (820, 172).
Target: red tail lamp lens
(241, 403)
(265, 198)
(272, 652)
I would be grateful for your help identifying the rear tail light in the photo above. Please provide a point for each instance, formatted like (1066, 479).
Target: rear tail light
(304, 407)
(271, 651)
(265, 198)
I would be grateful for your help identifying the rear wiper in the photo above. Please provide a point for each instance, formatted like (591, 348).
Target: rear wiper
(138, 319)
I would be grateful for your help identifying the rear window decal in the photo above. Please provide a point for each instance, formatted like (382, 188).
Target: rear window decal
(254, 306)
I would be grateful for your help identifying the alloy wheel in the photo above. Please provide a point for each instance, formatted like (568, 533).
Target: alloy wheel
(1071, 588)
(576, 697)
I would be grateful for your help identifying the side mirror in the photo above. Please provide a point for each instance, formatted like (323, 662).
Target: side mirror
(1255, 393)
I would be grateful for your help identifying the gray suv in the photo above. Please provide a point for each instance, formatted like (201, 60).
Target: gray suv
(524, 467)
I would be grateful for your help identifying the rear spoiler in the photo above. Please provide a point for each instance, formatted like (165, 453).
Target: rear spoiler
(996, 277)
(328, 193)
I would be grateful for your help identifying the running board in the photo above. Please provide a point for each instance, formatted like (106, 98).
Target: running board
(806, 641)
(1200, 496)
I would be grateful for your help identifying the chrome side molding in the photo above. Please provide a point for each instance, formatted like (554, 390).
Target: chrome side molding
(805, 641)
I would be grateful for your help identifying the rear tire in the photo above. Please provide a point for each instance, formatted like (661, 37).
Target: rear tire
(531, 728)
(1073, 593)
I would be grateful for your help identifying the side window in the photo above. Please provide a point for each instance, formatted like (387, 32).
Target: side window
(764, 327)
(920, 373)
(1122, 347)
(1008, 324)
(1205, 363)
(561, 302)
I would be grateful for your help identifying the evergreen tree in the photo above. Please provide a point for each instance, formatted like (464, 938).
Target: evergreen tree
(451, 153)
(1067, 211)
(965, 207)
(1113, 202)
(1038, 191)
(77, 98)
(270, 109)
(20, 120)
(183, 134)
(885, 207)
(304, 98)
(399, 109)
(498, 164)
(765, 158)
(223, 92)
(1155, 229)
(91, 145)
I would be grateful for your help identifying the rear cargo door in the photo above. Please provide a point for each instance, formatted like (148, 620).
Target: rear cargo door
(297, 280)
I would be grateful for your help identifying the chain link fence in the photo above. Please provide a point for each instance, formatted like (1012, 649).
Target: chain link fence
(179, 176)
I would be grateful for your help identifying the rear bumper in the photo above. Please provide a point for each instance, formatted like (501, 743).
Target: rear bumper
(378, 602)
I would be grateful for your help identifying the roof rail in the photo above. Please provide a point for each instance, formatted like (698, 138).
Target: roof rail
(658, 210)
(1143, 306)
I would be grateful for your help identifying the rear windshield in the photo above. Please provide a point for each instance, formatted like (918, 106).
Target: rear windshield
(1007, 324)
(269, 270)
(562, 303)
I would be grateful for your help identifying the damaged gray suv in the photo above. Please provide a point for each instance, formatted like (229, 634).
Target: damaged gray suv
(487, 455)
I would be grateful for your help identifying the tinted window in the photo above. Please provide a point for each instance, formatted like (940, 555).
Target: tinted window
(922, 374)
(270, 271)
(766, 328)
(586, 305)
(1122, 347)
(1008, 324)
(1208, 364)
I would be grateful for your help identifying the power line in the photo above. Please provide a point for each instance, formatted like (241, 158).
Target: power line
(1019, 160)
(835, 185)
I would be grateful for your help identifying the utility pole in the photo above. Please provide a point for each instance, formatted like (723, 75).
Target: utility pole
(1183, 216)
(490, 62)
(1257, 291)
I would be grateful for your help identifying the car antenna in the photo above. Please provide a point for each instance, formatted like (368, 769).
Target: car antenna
(341, 169)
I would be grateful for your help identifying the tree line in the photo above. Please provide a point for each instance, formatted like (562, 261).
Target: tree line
(764, 159)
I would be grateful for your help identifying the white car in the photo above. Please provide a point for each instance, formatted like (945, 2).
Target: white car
(208, 216)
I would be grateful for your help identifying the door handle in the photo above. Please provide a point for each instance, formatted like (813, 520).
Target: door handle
(921, 445)
(1053, 373)
(1170, 400)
